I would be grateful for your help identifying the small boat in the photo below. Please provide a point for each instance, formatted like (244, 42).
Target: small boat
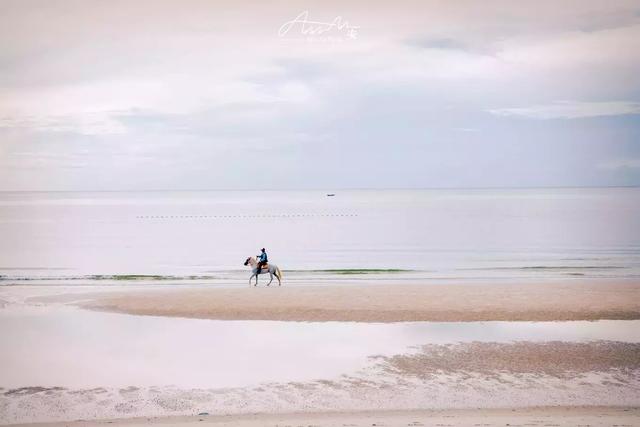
(330, 194)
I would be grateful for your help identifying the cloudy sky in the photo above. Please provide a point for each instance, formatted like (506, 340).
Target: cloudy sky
(119, 95)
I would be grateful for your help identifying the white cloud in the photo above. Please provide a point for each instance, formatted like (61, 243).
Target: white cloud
(571, 110)
(620, 164)
(467, 129)
(202, 87)
(89, 123)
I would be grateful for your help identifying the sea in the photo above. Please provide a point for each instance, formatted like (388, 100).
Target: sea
(431, 235)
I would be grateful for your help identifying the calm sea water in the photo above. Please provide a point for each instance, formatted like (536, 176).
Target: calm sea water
(453, 234)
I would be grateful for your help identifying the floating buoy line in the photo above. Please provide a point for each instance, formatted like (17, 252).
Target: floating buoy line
(308, 215)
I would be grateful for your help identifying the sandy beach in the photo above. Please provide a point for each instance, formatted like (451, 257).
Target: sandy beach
(392, 302)
(533, 417)
(509, 345)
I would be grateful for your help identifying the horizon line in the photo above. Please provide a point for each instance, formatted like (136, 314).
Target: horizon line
(156, 190)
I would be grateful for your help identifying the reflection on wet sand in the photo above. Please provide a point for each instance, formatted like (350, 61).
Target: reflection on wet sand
(63, 363)
(437, 377)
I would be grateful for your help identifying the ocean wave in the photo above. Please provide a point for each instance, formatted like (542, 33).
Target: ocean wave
(548, 267)
(124, 277)
(354, 271)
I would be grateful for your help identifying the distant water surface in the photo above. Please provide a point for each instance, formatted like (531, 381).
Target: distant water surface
(436, 234)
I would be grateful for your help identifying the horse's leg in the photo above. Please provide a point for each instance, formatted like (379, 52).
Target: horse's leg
(250, 279)
(271, 277)
(257, 274)
(278, 276)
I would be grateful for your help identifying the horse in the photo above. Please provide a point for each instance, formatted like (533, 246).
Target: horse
(272, 269)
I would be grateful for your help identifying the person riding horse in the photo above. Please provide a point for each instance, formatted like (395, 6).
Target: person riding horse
(262, 260)
(262, 266)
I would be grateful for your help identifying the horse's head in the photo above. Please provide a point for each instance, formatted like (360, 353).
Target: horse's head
(247, 261)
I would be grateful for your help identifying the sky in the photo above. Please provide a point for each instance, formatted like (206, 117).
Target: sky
(149, 95)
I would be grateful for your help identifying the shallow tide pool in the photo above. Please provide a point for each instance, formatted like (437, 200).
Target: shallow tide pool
(69, 347)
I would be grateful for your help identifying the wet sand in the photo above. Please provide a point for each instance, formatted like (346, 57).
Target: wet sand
(555, 358)
(547, 383)
(394, 302)
(532, 417)
(472, 375)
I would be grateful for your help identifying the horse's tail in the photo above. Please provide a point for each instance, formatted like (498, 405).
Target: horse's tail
(278, 272)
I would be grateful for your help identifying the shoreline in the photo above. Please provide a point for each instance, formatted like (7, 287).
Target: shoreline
(397, 302)
(435, 371)
(531, 416)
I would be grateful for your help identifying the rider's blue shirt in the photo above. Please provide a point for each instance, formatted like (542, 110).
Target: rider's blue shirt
(262, 257)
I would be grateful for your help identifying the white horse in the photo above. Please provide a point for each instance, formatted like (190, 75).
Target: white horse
(272, 269)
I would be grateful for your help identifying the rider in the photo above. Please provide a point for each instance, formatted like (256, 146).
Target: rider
(262, 260)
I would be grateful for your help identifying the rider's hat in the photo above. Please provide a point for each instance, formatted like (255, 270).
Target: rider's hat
(262, 249)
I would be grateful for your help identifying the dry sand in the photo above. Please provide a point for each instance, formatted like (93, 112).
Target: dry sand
(531, 417)
(568, 300)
